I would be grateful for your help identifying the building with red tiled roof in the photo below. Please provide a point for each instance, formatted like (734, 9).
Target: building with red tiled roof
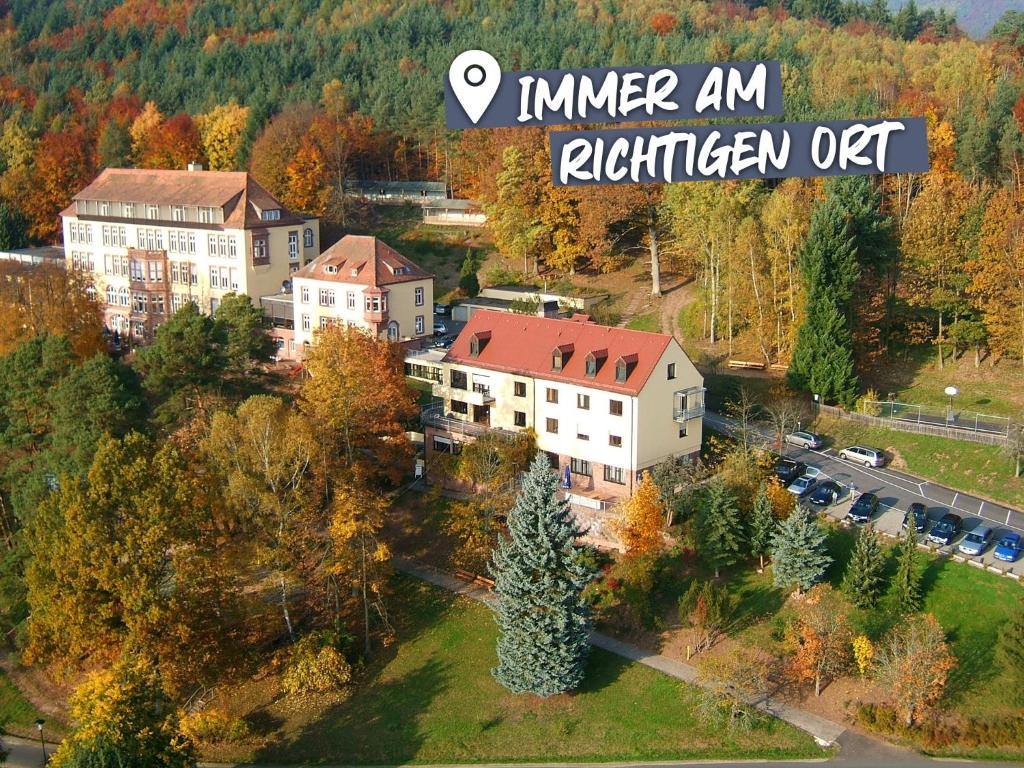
(605, 403)
(155, 240)
(363, 282)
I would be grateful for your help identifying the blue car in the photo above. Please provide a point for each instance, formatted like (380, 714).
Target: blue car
(1009, 548)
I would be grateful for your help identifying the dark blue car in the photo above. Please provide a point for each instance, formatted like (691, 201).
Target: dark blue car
(1009, 548)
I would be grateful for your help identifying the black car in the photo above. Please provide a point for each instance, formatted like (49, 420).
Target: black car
(944, 531)
(441, 309)
(788, 470)
(863, 508)
(443, 342)
(917, 512)
(826, 493)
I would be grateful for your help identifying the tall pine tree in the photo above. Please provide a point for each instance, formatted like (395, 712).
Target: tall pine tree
(762, 525)
(799, 554)
(864, 573)
(539, 578)
(719, 531)
(906, 584)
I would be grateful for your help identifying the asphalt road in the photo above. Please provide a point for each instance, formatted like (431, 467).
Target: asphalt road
(897, 490)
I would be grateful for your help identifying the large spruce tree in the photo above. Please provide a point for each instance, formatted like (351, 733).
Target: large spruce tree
(864, 576)
(719, 530)
(799, 554)
(539, 577)
(906, 584)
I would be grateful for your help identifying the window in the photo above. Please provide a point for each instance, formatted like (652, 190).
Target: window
(234, 278)
(682, 430)
(214, 277)
(139, 302)
(324, 322)
(519, 388)
(552, 426)
(206, 215)
(304, 293)
(552, 395)
(459, 406)
(459, 380)
(211, 245)
(419, 324)
(177, 213)
(260, 254)
(191, 242)
(155, 271)
(326, 298)
(273, 214)
(129, 210)
(581, 435)
(419, 297)
(136, 270)
(293, 246)
(591, 367)
(620, 371)
(158, 304)
(615, 407)
(376, 304)
(614, 441)
(350, 299)
(519, 418)
(671, 371)
(583, 402)
(152, 211)
(307, 238)
(613, 475)
(111, 295)
(104, 208)
(175, 274)
(580, 467)
(232, 248)
(306, 323)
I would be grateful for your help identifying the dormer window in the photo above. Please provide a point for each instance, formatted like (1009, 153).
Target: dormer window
(104, 208)
(623, 367)
(330, 269)
(355, 272)
(271, 214)
(477, 342)
(594, 362)
(560, 356)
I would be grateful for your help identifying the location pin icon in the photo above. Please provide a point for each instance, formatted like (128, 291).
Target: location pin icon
(475, 77)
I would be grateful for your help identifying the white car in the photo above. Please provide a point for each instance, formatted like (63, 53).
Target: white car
(804, 440)
(802, 486)
(869, 457)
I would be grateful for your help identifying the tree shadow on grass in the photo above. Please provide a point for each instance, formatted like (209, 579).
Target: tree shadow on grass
(378, 725)
(603, 669)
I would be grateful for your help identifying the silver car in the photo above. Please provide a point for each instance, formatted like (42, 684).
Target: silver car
(804, 440)
(976, 542)
(869, 457)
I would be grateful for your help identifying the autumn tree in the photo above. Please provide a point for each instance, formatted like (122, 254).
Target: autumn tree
(265, 452)
(707, 609)
(277, 145)
(997, 274)
(123, 717)
(62, 166)
(513, 217)
(145, 123)
(821, 637)
(643, 515)
(912, 665)
(172, 144)
(358, 401)
(719, 531)
(221, 131)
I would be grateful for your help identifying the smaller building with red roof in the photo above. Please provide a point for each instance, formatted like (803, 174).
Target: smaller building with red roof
(605, 403)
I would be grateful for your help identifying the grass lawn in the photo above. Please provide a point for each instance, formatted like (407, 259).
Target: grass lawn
(914, 376)
(432, 699)
(969, 467)
(18, 715)
(650, 322)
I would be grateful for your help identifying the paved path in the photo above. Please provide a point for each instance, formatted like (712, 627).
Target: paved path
(825, 732)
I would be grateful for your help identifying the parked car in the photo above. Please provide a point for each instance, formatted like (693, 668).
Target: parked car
(863, 509)
(788, 470)
(918, 513)
(804, 440)
(869, 457)
(440, 328)
(802, 486)
(441, 309)
(826, 493)
(976, 541)
(444, 342)
(944, 531)
(1009, 548)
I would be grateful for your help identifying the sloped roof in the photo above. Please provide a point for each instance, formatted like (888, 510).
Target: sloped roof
(362, 260)
(237, 192)
(523, 344)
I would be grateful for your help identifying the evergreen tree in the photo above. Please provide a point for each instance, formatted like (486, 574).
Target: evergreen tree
(762, 525)
(539, 578)
(719, 530)
(906, 584)
(241, 324)
(468, 281)
(799, 553)
(13, 227)
(863, 580)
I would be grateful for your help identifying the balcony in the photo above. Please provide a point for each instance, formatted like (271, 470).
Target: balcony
(688, 404)
(375, 316)
(478, 394)
(435, 416)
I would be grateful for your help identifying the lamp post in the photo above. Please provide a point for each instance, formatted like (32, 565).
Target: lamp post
(42, 743)
(952, 392)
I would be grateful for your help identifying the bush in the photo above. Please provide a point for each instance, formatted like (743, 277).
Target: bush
(501, 275)
(214, 725)
(1004, 732)
(317, 665)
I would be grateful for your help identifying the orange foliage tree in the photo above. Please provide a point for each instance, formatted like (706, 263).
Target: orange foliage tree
(63, 165)
(912, 665)
(642, 518)
(822, 638)
(173, 144)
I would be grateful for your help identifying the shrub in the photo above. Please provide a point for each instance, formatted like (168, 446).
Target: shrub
(214, 725)
(316, 665)
(935, 733)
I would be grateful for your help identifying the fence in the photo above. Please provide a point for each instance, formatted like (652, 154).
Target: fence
(944, 417)
(956, 429)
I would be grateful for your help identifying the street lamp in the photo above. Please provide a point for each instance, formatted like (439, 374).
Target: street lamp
(952, 392)
(42, 743)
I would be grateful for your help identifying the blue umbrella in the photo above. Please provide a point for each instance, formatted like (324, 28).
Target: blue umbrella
(567, 480)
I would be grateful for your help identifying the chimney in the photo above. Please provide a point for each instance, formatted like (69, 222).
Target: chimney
(195, 166)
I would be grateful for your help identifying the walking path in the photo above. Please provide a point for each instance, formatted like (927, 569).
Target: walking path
(825, 732)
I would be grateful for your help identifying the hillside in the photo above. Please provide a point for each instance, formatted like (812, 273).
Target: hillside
(975, 17)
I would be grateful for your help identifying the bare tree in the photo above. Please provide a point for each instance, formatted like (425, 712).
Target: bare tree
(785, 414)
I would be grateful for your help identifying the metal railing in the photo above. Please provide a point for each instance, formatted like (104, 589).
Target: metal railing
(949, 418)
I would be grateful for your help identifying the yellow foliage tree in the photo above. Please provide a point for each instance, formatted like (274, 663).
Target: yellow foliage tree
(997, 275)
(149, 119)
(221, 131)
(642, 518)
(307, 188)
(863, 652)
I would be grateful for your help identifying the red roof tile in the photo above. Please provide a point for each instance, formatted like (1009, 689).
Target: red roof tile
(523, 344)
(362, 260)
